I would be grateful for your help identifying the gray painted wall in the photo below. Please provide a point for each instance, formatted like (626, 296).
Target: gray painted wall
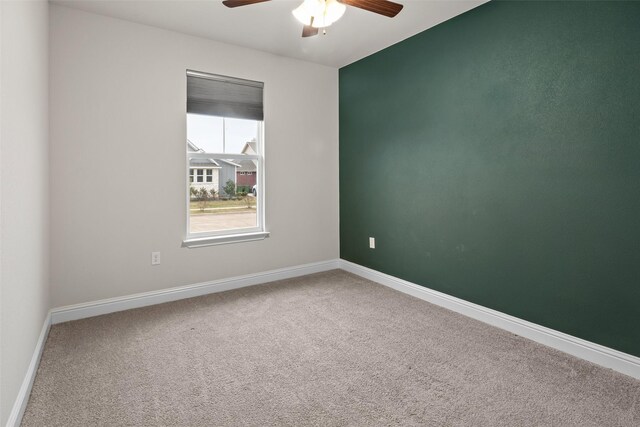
(24, 190)
(103, 231)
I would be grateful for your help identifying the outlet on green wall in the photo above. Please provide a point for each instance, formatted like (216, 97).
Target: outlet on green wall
(496, 158)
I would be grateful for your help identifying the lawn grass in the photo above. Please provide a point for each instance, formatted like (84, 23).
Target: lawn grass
(238, 210)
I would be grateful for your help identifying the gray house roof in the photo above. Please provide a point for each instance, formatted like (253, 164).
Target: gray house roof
(210, 163)
(204, 163)
(246, 165)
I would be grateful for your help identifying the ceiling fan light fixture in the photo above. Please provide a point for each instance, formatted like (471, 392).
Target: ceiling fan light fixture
(319, 13)
(332, 12)
(303, 13)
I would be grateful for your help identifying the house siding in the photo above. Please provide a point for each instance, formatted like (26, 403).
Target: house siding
(227, 172)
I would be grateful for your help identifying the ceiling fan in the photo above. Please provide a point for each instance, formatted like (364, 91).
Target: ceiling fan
(319, 14)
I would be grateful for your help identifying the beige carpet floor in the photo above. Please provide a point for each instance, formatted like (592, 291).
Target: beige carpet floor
(330, 349)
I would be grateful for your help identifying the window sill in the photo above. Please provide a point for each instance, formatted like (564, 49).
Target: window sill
(223, 240)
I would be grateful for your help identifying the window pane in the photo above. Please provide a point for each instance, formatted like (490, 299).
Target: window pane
(238, 134)
(211, 134)
(205, 133)
(224, 201)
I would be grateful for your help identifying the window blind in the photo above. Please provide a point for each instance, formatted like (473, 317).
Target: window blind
(223, 96)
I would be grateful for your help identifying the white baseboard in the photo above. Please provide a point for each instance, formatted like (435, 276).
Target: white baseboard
(604, 356)
(111, 305)
(596, 353)
(96, 308)
(20, 404)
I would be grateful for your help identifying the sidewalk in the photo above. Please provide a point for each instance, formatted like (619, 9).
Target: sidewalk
(216, 222)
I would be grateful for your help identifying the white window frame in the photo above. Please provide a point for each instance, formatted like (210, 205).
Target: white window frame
(211, 238)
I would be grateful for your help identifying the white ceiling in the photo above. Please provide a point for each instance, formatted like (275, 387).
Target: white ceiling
(271, 27)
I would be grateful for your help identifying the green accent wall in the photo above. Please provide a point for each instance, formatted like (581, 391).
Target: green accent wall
(496, 158)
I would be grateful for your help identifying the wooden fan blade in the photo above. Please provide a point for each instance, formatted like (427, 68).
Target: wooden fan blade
(382, 7)
(236, 3)
(308, 31)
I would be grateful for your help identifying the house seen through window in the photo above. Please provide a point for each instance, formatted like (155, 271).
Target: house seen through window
(224, 157)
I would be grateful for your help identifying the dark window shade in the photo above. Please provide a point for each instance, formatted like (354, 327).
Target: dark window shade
(224, 97)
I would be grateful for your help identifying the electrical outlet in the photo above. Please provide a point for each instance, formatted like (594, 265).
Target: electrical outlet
(372, 242)
(155, 258)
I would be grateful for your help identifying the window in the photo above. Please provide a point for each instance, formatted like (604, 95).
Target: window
(201, 175)
(224, 144)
